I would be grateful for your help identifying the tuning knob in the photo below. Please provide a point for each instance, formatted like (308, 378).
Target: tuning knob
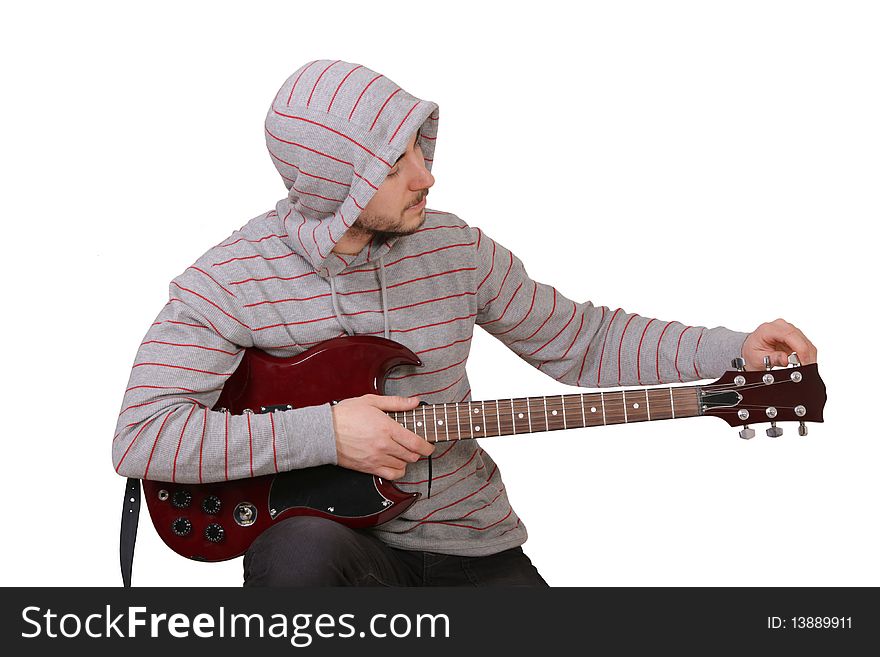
(767, 364)
(181, 499)
(181, 527)
(746, 433)
(793, 359)
(802, 429)
(214, 532)
(738, 364)
(774, 431)
(211, 505)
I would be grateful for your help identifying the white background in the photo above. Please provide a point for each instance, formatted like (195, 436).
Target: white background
(714, 163)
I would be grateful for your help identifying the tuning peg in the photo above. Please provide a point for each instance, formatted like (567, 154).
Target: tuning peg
(802, 429)
(767, 364)
(793, 360)
(738, 364)
(774, 431)
(746, 433)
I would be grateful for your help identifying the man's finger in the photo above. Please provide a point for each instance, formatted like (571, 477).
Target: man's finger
(412, 442)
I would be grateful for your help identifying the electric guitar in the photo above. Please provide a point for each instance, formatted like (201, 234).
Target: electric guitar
(219, 521)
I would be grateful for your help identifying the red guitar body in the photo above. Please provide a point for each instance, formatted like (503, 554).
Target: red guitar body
(219, 521)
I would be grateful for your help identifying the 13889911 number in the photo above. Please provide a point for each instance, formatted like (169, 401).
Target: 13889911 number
(810, 623)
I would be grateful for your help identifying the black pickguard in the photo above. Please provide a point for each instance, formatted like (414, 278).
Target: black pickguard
(328, 488)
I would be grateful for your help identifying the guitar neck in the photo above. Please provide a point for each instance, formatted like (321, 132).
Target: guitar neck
(506, 417)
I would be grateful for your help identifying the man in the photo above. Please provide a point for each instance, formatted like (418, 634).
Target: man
(352, 250)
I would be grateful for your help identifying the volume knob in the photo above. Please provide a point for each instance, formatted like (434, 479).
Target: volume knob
(181, 527)
(181, 499)
(214, 532)
(211, 505)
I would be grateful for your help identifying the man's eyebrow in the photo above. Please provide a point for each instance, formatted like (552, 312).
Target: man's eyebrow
(404, 152)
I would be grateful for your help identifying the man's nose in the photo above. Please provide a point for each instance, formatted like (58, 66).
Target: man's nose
(422, 178)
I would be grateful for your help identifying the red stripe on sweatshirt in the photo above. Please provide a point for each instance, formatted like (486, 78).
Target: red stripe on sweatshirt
(639, 353)
(274, 450)
(181, 367)
(295, 82)
(161, 388)
(528, 312)
(335, 132)
(399, 260)
(197, 346)
(314, 86)
(250, 442)
(134, 440)
(212, 278)
(155, 442)
(620, 346)
(179, 443)
(602, 355)
(204, 298)
(244, 239)
(589, 344)
(274, 278)
(445, 346)
(570, 319)
(659, 340)
(503, 281)
(535, 332)
(491, 268)
(503, 312)
(696, 350)
(677, 349)
(477, 450)
(354, 107)
(202, 442)
(340, 86)
(381, 109)
(403, 120)
(423, 519)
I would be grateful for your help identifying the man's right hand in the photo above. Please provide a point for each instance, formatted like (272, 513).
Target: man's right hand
(367, 440)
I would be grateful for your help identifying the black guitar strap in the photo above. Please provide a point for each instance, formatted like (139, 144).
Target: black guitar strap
(131, 508)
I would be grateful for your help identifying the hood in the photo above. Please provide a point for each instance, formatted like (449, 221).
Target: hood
(334, 131)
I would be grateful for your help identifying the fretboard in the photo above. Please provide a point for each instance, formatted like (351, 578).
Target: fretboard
(505, 417)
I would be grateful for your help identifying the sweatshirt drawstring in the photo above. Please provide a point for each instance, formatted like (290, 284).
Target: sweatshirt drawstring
(384, 297)
(345, 325)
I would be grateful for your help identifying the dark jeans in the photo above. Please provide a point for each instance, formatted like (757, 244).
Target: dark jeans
(310, 551)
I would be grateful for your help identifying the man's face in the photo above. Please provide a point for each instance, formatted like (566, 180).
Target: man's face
(391, 211)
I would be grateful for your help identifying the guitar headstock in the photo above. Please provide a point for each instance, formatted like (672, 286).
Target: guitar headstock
(786, 394)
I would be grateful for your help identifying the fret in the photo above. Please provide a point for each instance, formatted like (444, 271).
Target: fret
(583, 412)
(602, 400)
(434, 411)
(564, 419)
(513, 416)
(554, 405)
(404, 419)
(498, 416)
(672, 403)
(529, 412)
(566, 412)
(546, 418)
(535, 404)
(446, 422)
(425, 422)
(648, 405)
(457, 423)
(625, 419)
(635, 407)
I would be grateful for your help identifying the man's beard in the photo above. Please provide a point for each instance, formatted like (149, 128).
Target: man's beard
(382, 228)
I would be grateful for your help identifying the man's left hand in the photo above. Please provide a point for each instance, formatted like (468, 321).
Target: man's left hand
(776, 339)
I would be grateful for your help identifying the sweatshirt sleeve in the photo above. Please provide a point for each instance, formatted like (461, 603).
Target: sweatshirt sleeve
(166, 430)
(584, 345)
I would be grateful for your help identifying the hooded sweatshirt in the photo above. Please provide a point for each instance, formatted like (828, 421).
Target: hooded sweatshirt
(333, 132)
